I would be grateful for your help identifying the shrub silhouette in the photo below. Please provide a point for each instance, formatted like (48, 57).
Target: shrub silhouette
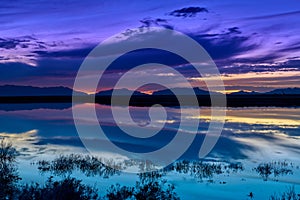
(149, 190)
(117, 192)
(67, 189)
(155, 190)
(150, 186)
(8, 170)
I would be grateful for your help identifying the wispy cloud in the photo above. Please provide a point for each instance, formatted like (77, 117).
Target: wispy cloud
(272, 16)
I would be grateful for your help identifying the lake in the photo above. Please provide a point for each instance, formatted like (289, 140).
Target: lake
(251, 136)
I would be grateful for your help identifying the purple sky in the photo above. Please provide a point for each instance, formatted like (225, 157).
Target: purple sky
(256, 45)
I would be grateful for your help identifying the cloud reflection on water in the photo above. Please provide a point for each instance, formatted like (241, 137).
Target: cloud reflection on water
(249, 133)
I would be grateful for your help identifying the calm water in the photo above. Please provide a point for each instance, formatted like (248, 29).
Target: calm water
(250, 136)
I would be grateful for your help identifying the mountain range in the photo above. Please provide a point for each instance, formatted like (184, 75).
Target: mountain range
(285, 91)
(15, 91)
(121, 92)
(281, 91)
(182, 91)
(242, 92)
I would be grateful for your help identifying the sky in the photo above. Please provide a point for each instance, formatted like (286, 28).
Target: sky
(255, 44)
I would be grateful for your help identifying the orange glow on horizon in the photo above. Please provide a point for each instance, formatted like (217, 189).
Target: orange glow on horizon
(260, 81)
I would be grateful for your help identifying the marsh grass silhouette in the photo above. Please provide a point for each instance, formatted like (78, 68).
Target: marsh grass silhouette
(150, 185)
(201, 170)
(64, 165)
(277, 168)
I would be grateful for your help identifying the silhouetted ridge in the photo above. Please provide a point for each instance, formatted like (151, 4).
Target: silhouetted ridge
(182, 91)
(122, 92)
(285, 91)
(15, 91)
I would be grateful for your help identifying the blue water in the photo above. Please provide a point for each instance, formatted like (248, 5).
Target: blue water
(250, 136)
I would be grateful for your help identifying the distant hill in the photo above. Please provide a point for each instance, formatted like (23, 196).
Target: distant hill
(282, 91)
(242, 92)
(33, 106)
(121, 92)
(36, 97)
(285, 91)
(15, 91)
(182, 91)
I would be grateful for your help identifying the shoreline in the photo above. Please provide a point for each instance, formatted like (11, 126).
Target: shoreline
(164, 100)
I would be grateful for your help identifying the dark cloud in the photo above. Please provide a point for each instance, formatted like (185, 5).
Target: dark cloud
(147, 22)
(52, 68)
(225, 46)
(268, 58)
(49, 72)
(290, 65)
(18, 40)
(14, 71)
(3, 58)
(222, 47)
(234, 30)
(71, 53)
(292, 47)
(9, 43)
(129, 32)
(188, 12)
(23, 42)
(60, 67)
(293, 63)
